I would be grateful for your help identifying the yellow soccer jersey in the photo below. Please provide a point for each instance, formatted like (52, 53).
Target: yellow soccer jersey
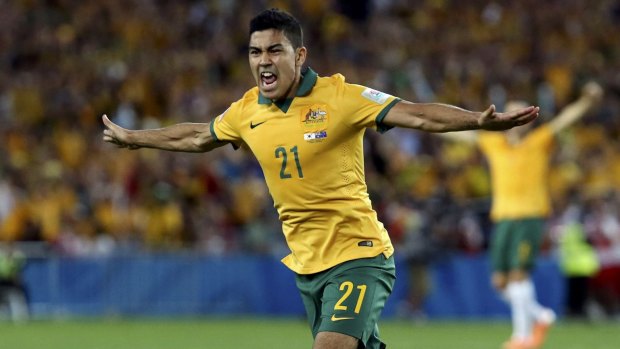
(310, 151)
(519, 173)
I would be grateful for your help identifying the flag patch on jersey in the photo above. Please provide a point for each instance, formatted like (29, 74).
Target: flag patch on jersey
(375, 96)
(314, 136)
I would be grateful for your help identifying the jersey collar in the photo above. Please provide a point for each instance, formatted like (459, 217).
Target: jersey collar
(308, 79)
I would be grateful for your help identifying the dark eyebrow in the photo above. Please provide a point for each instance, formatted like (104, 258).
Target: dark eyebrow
(274, 46)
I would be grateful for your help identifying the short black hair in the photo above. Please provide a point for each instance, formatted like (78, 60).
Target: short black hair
(279, 20)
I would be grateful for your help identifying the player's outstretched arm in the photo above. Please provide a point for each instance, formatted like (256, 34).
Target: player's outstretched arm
(591, 95)
(185, 137)
(437, 117)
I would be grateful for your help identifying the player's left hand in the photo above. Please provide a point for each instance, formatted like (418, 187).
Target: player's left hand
(116, 135)
(491, 120)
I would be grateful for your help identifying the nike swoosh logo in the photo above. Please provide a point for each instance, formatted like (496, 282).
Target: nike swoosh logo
(334, 318)
(256, 125)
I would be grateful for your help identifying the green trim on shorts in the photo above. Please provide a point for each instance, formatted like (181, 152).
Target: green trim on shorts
(349, 298)
(515, 244)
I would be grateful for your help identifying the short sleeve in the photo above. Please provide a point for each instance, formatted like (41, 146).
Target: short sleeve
(366, 107)
(225, 126)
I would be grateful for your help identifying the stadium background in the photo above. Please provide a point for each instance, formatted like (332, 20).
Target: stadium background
(115, 232)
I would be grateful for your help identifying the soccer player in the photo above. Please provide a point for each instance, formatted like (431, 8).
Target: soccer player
(519, 164)
(306, 132)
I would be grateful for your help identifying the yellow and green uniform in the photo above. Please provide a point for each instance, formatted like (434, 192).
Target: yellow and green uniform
(521, 201)
(310, 150)
(519, 173)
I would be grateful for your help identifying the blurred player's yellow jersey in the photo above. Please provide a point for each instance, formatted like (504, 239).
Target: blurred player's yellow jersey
(519, 173)
(310, 150)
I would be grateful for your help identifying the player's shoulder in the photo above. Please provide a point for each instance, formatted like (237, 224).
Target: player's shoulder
(329, 87)
(543, 129)
(241, 105)
(484, 137)
(335, 80)
(336, 85)
(542, 133)
(249, 97)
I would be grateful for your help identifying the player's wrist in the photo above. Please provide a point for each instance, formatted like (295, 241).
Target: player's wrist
(131, 139)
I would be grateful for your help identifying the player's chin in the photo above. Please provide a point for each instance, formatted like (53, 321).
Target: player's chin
(271, 93)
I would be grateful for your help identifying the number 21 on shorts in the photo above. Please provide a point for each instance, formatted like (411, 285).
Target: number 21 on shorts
(348, 288)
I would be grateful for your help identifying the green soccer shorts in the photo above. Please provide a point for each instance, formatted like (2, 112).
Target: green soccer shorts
(349, 298)
(515, 244)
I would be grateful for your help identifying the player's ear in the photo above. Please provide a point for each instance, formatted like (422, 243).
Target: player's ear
(300, 57)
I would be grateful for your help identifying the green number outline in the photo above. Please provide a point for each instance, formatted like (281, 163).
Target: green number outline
(282, 153)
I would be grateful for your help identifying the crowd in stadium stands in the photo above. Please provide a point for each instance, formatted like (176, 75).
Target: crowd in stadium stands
(153, 63)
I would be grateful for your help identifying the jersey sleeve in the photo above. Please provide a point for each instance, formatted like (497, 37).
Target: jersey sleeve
(225, 127)
(365, 107)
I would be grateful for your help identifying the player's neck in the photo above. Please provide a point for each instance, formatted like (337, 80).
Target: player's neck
(291, 92)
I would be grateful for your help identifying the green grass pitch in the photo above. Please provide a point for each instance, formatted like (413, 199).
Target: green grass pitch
(258, 333)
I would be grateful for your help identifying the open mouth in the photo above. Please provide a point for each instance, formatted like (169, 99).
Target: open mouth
(268, 79)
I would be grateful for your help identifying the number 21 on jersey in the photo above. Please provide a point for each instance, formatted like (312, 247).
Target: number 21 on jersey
(282, 153)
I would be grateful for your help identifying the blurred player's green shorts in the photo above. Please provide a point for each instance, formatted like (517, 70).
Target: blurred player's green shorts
(515, 243)
(349, 298)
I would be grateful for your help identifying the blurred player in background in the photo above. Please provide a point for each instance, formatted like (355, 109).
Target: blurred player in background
(306, 132)
(519, 163)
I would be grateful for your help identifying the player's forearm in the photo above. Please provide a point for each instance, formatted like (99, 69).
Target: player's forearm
(184, 137)
(432, 117)
(591, 96)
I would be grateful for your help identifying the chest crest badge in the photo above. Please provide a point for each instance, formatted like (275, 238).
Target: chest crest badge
(314, 121)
